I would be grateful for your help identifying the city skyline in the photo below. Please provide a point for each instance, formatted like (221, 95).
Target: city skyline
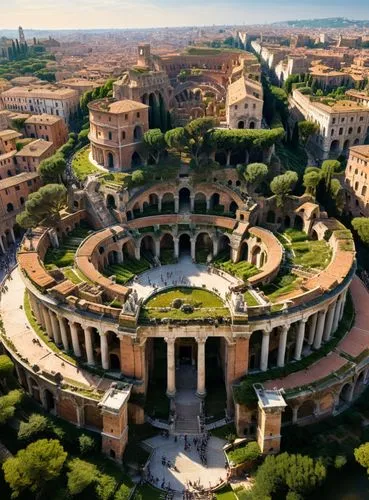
(45, 14)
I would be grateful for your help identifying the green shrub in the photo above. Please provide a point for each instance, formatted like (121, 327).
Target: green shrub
(86, 444)
(248, 453)
(36, 425)
(122, 493)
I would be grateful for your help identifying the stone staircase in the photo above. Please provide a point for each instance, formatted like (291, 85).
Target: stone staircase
(102, 214)
(186, 402)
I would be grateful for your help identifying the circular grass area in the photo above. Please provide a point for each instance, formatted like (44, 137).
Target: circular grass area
(204, 304)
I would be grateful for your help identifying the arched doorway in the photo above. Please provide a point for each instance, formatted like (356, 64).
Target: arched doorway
(136, 160)
(167, 249)
(147, 247)
(255, 255)
(299, 223)
(214, 201)
(110, 202)
(287, 221)
(244, 251)
(184, 200)
(233, 207)
(49, 400)
(200, 203)
(255, 350)
(252, 125)
(345, 395)
(110, 160)
(167, 203)
(137, 133)
(225, 247)
(154, 112)
(114, 362)
(241, 124)
(307, 409)
(203, 247)
(113, 257)
(35, 390)
(184, 244)
(335, 147)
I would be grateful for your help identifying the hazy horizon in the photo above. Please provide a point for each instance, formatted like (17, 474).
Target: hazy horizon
(123, 14)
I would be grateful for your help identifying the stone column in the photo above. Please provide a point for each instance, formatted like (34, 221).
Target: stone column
(294, 414)
(63, 332)
(215, 246)
(171, 368)
(157, 248)
(2, 245)
(159, 203)
(80, 416)
(47, 322)
(192, 203)
(300, 339)
(176, 247)
(343, 304)
(328, 323)
(193, 248)
(12, 234)
(319, 329)
(137, 252)
(207, 203)
(104, 351)
(75, 341)
(337, 311)
(201, 390)
(55, 325)
(264, 351)
(176, 204)
(282, 345)
(312, 329)
(89, 347)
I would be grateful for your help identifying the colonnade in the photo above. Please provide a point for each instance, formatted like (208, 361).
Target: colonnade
(4, 239)
(322, 325)
(65, 333)
(171, 366)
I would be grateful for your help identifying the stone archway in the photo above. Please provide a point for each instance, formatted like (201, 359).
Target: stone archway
(203, 247)
(110, 202)
(184, 244)
(184, 199)
(307, 409)
(136, 160)
(110, 160)
(345, 396)
(244, 251)
(224, 247)
(147, 247)
(255, 350)
(167, 249)
(49, 400)
(200, 203)
(255, 255)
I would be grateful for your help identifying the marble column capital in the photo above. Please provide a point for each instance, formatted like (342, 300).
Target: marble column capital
(170, 340)
(201, 340)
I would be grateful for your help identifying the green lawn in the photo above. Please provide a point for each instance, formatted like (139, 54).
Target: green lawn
(81, 165)
(64, 255)
(250, 299)
(206, 304)
(126, 271)
(243, 269)
(226, 493)
(71, 275)
(194, 296)
(308, 253)
(282, 285)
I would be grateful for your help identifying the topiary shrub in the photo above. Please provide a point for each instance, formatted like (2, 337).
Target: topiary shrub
(177, 303)
(187, 308)
(86, 444)
(248, 453)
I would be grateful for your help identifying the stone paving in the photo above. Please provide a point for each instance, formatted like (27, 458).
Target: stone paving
(25, 340)
(185, 273)
(188, 466)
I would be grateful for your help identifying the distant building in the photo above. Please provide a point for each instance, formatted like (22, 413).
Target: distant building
(342, 124)
(116, 131)
(47, 127)
(31, 155)
(357, 181)
(244, 104)
(51, 100)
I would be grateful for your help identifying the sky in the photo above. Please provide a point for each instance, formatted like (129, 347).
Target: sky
(82, 14)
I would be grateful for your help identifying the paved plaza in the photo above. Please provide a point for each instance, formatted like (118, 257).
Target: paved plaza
(185, 465)
(184, 273)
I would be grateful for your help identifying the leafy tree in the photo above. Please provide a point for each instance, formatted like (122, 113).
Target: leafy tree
(196, 136)
(83, 136)
(8, 405)
(362, 452)
(254, 174)
(337, 193)
(306, 130)
(52, 169)
(329, 168)
(282, 185)
(86, 444)
(123, 493)
(34, 466)
(138, 177)
(361, 225)
(105, 486)
(43, 206)
(248, 453)
(81, 475)
(311, 181)
(296, 473)
(155, 143)
(6, 369)
(176, 139)
(229, 142)
(36, 425)
(340, 461)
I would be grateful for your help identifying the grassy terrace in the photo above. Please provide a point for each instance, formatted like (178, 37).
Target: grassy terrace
(64, 255)
(81, 165)
(205, 304)
(126, 271)
(243, 269)
(308, 253)
(282, 285)
(250, 299)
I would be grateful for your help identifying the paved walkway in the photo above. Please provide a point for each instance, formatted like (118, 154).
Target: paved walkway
(20, 332)
(184, 273)
(188, 466)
